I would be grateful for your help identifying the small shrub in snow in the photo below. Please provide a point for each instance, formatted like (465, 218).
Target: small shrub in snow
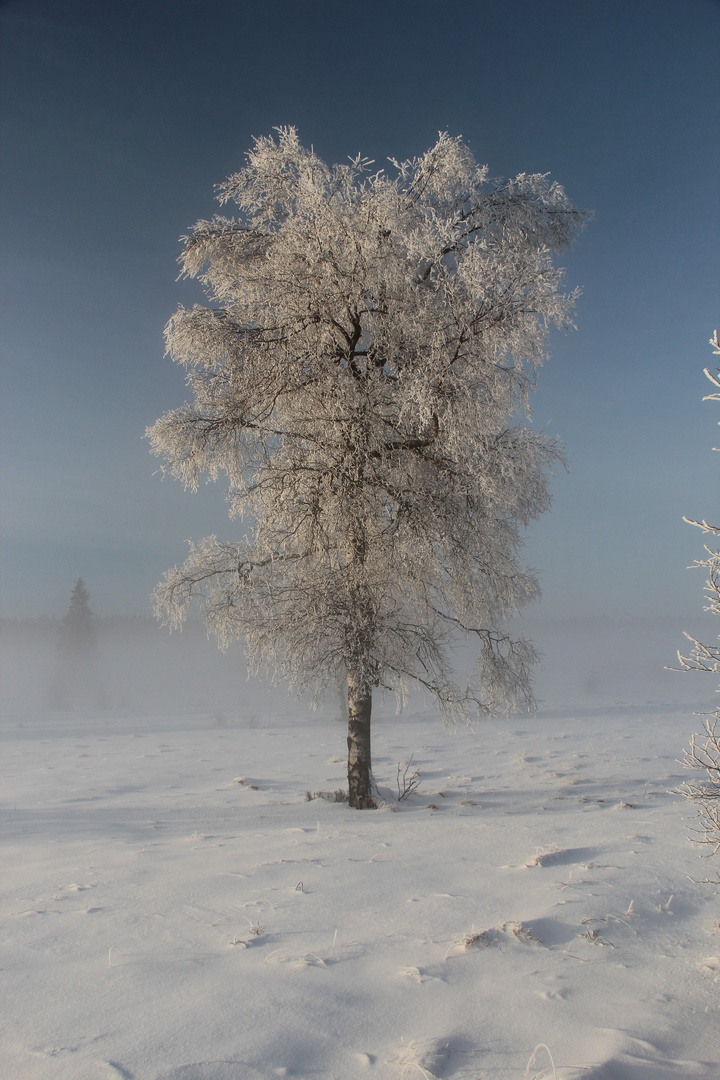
(496, 935)
(407, 781)
(328, 796)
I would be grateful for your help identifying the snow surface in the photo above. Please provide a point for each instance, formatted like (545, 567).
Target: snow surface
(173, 908)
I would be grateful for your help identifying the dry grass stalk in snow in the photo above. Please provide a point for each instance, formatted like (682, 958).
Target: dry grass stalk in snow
(531, 1063)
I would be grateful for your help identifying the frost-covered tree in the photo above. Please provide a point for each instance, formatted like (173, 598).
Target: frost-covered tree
(703, 756)
(360, 378)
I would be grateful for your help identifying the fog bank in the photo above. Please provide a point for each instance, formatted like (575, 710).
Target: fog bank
(137, 666)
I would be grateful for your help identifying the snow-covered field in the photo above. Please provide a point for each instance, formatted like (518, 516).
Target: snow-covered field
(174, 908)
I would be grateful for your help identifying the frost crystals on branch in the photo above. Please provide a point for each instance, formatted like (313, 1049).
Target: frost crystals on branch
(369, 344)
(704, 752)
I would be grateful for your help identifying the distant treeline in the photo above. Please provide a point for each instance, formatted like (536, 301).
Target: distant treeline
(45, 628)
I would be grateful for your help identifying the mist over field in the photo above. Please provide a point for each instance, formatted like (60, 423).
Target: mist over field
(139, 666)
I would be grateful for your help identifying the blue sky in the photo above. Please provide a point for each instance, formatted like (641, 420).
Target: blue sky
(117, 121)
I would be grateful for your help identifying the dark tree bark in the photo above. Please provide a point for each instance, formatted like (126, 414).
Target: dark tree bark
(359, 757)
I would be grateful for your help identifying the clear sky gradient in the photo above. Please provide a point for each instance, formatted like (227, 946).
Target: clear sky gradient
(119, 119)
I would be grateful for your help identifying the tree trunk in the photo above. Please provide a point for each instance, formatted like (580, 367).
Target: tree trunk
(359, 760)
